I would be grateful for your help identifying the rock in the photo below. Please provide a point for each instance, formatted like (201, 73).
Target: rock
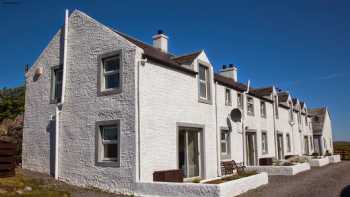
(19, 192)
(28, 189)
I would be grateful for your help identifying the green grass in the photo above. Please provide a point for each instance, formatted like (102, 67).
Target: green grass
(39, 188)
(342, 146)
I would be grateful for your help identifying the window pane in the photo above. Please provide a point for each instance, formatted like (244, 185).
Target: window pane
(223, 136)
(110, 133)
(223, 148)
(112, 81)
(202, 72)
(110, 151)
(202, 90)
(111, 64)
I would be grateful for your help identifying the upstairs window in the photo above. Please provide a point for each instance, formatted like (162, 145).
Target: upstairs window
(56, 84)
(263, 109)
(291, 115)
(289, 148)
(250, 106)
(264, 145)
(228, 100)
(240, 100)
(203, 77)
(306, 120)
(110, 73)
(276, 107)
(299, 117)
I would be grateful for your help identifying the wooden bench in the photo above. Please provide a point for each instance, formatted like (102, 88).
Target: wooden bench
(227, 167)
(175, 175)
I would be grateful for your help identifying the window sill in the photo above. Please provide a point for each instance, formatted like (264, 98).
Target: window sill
(225, 156)
(109, 92)
(206, 101)
(107, 163)
(250, 114)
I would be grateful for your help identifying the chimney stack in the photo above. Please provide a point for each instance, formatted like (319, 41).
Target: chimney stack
(230, 72)
(160, 41)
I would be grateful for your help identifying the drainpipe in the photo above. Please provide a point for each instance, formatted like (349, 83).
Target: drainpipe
(57, 127)
(60, 105)
(217, 133)
(141, 62)
(243, 119)
(274, 123)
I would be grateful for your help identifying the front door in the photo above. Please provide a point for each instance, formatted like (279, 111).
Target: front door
(280, 149)
(317, 144)
(251, 148)
(189, 152)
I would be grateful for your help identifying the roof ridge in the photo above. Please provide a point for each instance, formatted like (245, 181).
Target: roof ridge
(188, 54)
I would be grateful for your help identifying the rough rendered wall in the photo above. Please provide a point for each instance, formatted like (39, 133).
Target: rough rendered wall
(327, 133)
(38, 133)
(83, 107)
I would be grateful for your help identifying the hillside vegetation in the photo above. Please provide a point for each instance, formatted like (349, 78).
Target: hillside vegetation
(11, 116)
(342, 147)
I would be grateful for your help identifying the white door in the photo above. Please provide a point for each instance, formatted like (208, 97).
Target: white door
(189, 152)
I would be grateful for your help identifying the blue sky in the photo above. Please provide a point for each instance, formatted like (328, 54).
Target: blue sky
(300, 46)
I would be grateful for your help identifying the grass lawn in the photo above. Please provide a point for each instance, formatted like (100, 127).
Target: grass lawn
(33, 184)
(15, 186)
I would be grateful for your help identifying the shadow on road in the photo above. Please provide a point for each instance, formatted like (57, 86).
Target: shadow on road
(345, 192)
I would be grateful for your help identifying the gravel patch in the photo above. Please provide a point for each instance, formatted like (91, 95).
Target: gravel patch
(328, 181)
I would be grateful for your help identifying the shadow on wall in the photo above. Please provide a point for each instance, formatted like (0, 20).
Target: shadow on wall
(345, 192)
(51, 127)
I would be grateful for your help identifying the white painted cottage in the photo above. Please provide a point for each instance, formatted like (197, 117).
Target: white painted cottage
(104, 109)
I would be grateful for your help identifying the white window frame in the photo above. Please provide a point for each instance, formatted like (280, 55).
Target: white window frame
(264, 143)
(204, 81)
(250, 104)
(263, 109)
(228, 98)
(240, 100)
(100, 142)
(105, 73)
(291, 115)
(226, 142)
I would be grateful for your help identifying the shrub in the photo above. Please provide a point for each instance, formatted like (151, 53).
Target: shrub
(196, 180)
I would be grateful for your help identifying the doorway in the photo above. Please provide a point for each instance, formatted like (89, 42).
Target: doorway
(306, 145)
(189, 150)
(280, 147)
(251, 148)
(317, 144)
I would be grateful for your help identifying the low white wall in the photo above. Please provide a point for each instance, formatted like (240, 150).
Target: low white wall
(281, 170)
(227, 189)
(239, 186)
(334, 158)
(319, 162)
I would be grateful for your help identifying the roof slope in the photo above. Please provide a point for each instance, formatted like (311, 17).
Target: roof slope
(318, 118)
(283, 97)
(156, 54)
(186, 58)
(266, 91)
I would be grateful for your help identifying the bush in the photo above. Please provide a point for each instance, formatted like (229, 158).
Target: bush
(328, 153)
(196, 180)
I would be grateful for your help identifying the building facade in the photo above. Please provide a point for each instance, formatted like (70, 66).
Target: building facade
(106, 110)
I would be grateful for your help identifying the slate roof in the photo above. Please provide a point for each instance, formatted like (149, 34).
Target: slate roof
(282, 97)
(237, 86)
(186, 58)
(318, 116)
(266, 91)
(157, 55)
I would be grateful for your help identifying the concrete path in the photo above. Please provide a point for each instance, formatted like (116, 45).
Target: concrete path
(328, 181)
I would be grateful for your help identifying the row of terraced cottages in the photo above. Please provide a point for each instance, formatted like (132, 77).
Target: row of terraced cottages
(104, 109)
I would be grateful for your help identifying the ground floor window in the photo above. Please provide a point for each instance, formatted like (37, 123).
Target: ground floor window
(225, 144)
(108, 140)
(264, 145)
